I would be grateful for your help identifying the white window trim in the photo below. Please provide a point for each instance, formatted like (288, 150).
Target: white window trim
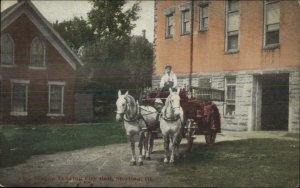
(201, 16)
(56, 83)
(226, 85)
(44, 60)
(16, 81)
(226, 26)
(13, 58)
(269, 46)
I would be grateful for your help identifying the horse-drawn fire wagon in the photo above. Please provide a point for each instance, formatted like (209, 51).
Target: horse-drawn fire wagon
(201, 115)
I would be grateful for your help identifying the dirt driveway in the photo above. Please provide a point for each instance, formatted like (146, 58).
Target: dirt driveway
(103, 166)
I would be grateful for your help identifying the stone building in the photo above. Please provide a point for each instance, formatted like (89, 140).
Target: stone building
(37, 69)
(249, 49)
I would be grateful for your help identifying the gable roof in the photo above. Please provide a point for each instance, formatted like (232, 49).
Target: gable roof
(26, 7)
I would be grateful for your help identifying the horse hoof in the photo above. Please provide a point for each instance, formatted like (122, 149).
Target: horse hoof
(166, 161)
(148, 158)
(132, 163)
(141, 163)
(172, 162)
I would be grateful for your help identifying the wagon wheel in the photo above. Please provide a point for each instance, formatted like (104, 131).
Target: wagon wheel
(210, 138)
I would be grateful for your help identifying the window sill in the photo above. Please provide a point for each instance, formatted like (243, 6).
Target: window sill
(169, 37)
(271, 46)
(229, 116)
(184, 34)
(55, 115)
(7, 66)
(18, 113)
(231, 52)
(203, 30)
(37, 68)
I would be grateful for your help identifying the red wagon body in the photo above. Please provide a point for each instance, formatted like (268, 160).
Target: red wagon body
(202, 116)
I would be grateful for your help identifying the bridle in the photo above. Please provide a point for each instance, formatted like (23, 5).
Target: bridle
(172, 111)
(135, 118)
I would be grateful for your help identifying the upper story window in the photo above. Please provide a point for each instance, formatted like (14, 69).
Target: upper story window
(232, 25)
(203, 17)
(169, 26)
(7, 50)
(37, 53)
(272, 22)
(185, 22)
(169, 13)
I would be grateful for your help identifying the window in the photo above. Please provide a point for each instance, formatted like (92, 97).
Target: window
(19, 97)
(230, 85)
(185, 19)
(203, 17)
(7, 50)
(169, 26)
(272, 21)
(56, 98)
(232, 25)
(37, 54)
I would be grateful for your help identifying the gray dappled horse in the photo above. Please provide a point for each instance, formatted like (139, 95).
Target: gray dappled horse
(170, 124)
(137, 119)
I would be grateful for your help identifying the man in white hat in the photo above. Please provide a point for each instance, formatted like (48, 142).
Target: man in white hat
(169, 80)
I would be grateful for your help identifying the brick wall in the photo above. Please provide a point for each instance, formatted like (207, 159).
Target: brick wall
(23, 31)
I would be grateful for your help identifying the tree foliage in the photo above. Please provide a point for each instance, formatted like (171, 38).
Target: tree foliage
(108, 19)
(113, 58)
(76, 32)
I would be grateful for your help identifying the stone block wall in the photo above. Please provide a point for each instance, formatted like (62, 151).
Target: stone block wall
(294, 101)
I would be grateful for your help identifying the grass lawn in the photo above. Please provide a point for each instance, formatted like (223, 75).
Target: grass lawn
(241, 163)
(18, 143)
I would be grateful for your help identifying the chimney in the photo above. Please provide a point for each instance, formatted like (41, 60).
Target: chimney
(144, 33)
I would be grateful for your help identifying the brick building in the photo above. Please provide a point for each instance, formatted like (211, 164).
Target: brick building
(37, 70)
(249, 49)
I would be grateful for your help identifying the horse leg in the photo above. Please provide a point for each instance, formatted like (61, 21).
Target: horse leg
(174, 147)
(141, 139)
(151, 143)
(166, 148)
(132, 145)
(144, 145)
(148, 140)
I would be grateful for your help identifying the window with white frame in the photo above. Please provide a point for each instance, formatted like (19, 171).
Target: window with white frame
(230, 89)
(203, 17)
(37, 53)
(272, 22)
(19, 97)
(56, 98)
(7, 50)
(232, 25)
(169, 25)
(185, 22)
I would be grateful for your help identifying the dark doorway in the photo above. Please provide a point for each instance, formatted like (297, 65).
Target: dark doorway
(275, 102)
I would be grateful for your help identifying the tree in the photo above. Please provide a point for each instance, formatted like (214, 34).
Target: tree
(139, 61)
(109, 21)
(76, 32)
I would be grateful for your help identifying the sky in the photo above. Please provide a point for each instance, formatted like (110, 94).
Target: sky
(67, 9)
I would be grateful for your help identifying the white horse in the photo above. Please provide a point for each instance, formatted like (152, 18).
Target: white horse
(170, 124)
(138, 120)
